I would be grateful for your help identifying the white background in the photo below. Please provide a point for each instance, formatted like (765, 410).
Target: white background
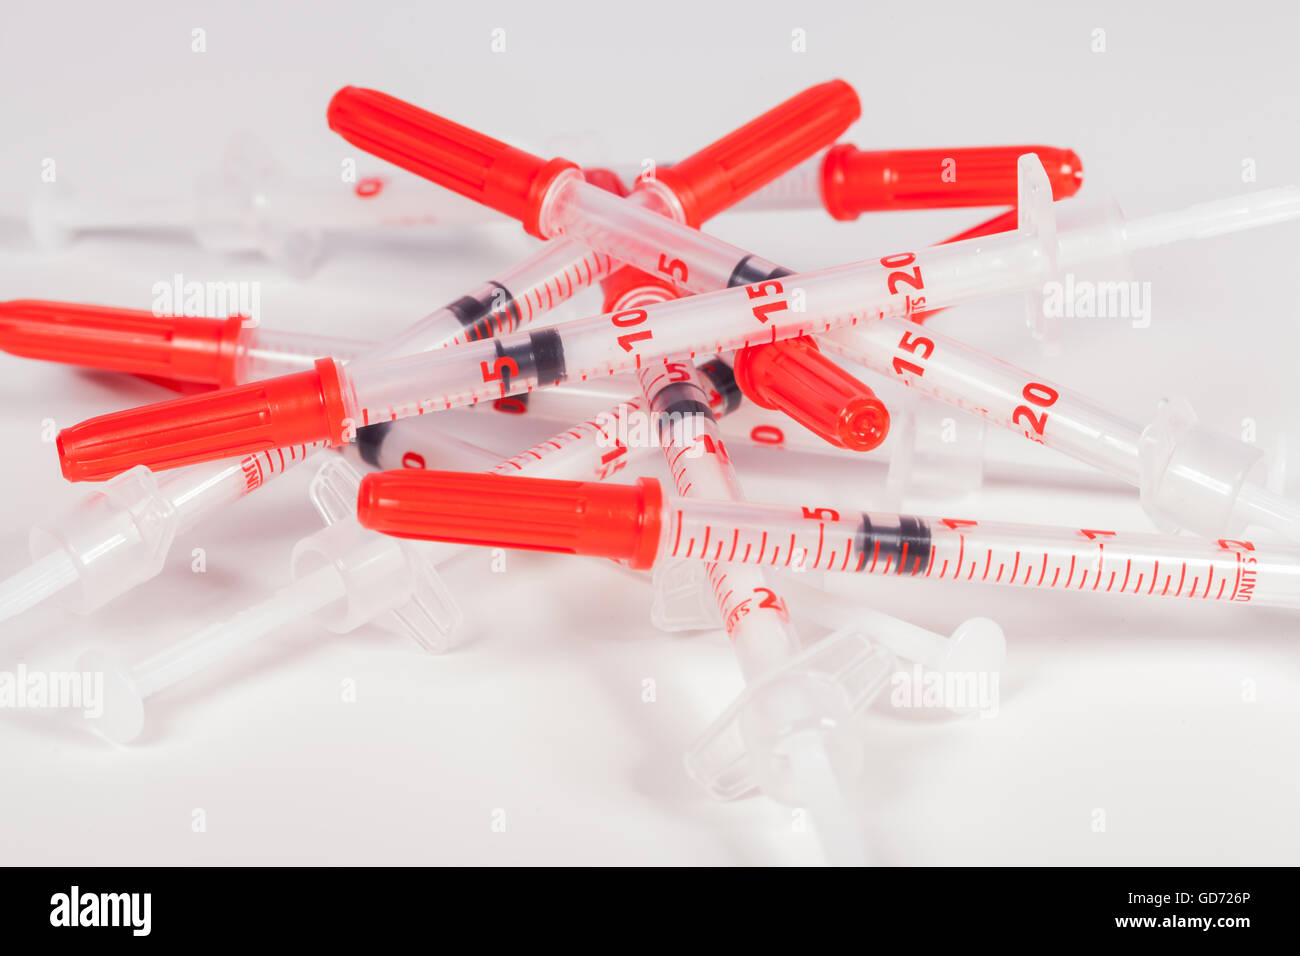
(1129, 706)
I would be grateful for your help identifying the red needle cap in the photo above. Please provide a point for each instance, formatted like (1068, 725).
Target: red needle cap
(855, 181)
(478, 167)
(607, 180)
(725, 172)
(122, 340)
(288, 410)
(629, 288)
(537, 514)
(515, 182)
(794, 376)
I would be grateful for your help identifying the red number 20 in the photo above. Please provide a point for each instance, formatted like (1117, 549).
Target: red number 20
(1044, 396)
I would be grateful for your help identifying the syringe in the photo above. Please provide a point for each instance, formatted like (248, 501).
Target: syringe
(550, 276)
(1169, 460)
(251, 205)
(752, 610)
(636, 523)
(931, 449)
(830, 396)
(214, 351)
(1188, 476)
(847, 181)
(765, 147)
(334, 400)
(106, 560)
(199, 350)
(765, 643)
(118, 536)
(414, 442)
(356, 577)
(976, 646)
(794, 379)
(343, 576)
(226, 352)
(322, 404)
(551, 199)
(559, 202)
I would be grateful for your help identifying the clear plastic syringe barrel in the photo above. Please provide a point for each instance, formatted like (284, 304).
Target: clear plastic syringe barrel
(647, 239)
(748, 424)
(550, 276)
(383, 201)
(702, 263)
(202, 490)
(593, 447)
(370, 391)
(620, 342)
(553, 274)
(754, 615)
(232, 350)
(1189, 477)
(119, 536)
(715, 322)
(895, 285)
(264, 353)
(935, 278)
(994, 390)
(191, 494)
(800, 188)
(1084, 560)
(927, 451)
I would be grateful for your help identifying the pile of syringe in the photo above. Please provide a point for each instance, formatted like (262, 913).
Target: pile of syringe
(702, 347)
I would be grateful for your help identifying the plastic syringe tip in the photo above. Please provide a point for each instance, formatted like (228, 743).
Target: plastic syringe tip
(293, 409)
(122, 703)
(188, 348)
(478, 167)
(855, 181)
(536, 514)
(795, 377)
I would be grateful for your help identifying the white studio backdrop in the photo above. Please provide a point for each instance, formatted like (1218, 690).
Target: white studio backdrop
(1175, 721)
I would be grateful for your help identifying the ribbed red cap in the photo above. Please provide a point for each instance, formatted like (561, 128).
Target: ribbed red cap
(122, 340)
(629, 288)
(260, 416)
(607, 180)
(747, 159)
(856, 181)
(795, 377)
(537, 514)
(478, 167)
